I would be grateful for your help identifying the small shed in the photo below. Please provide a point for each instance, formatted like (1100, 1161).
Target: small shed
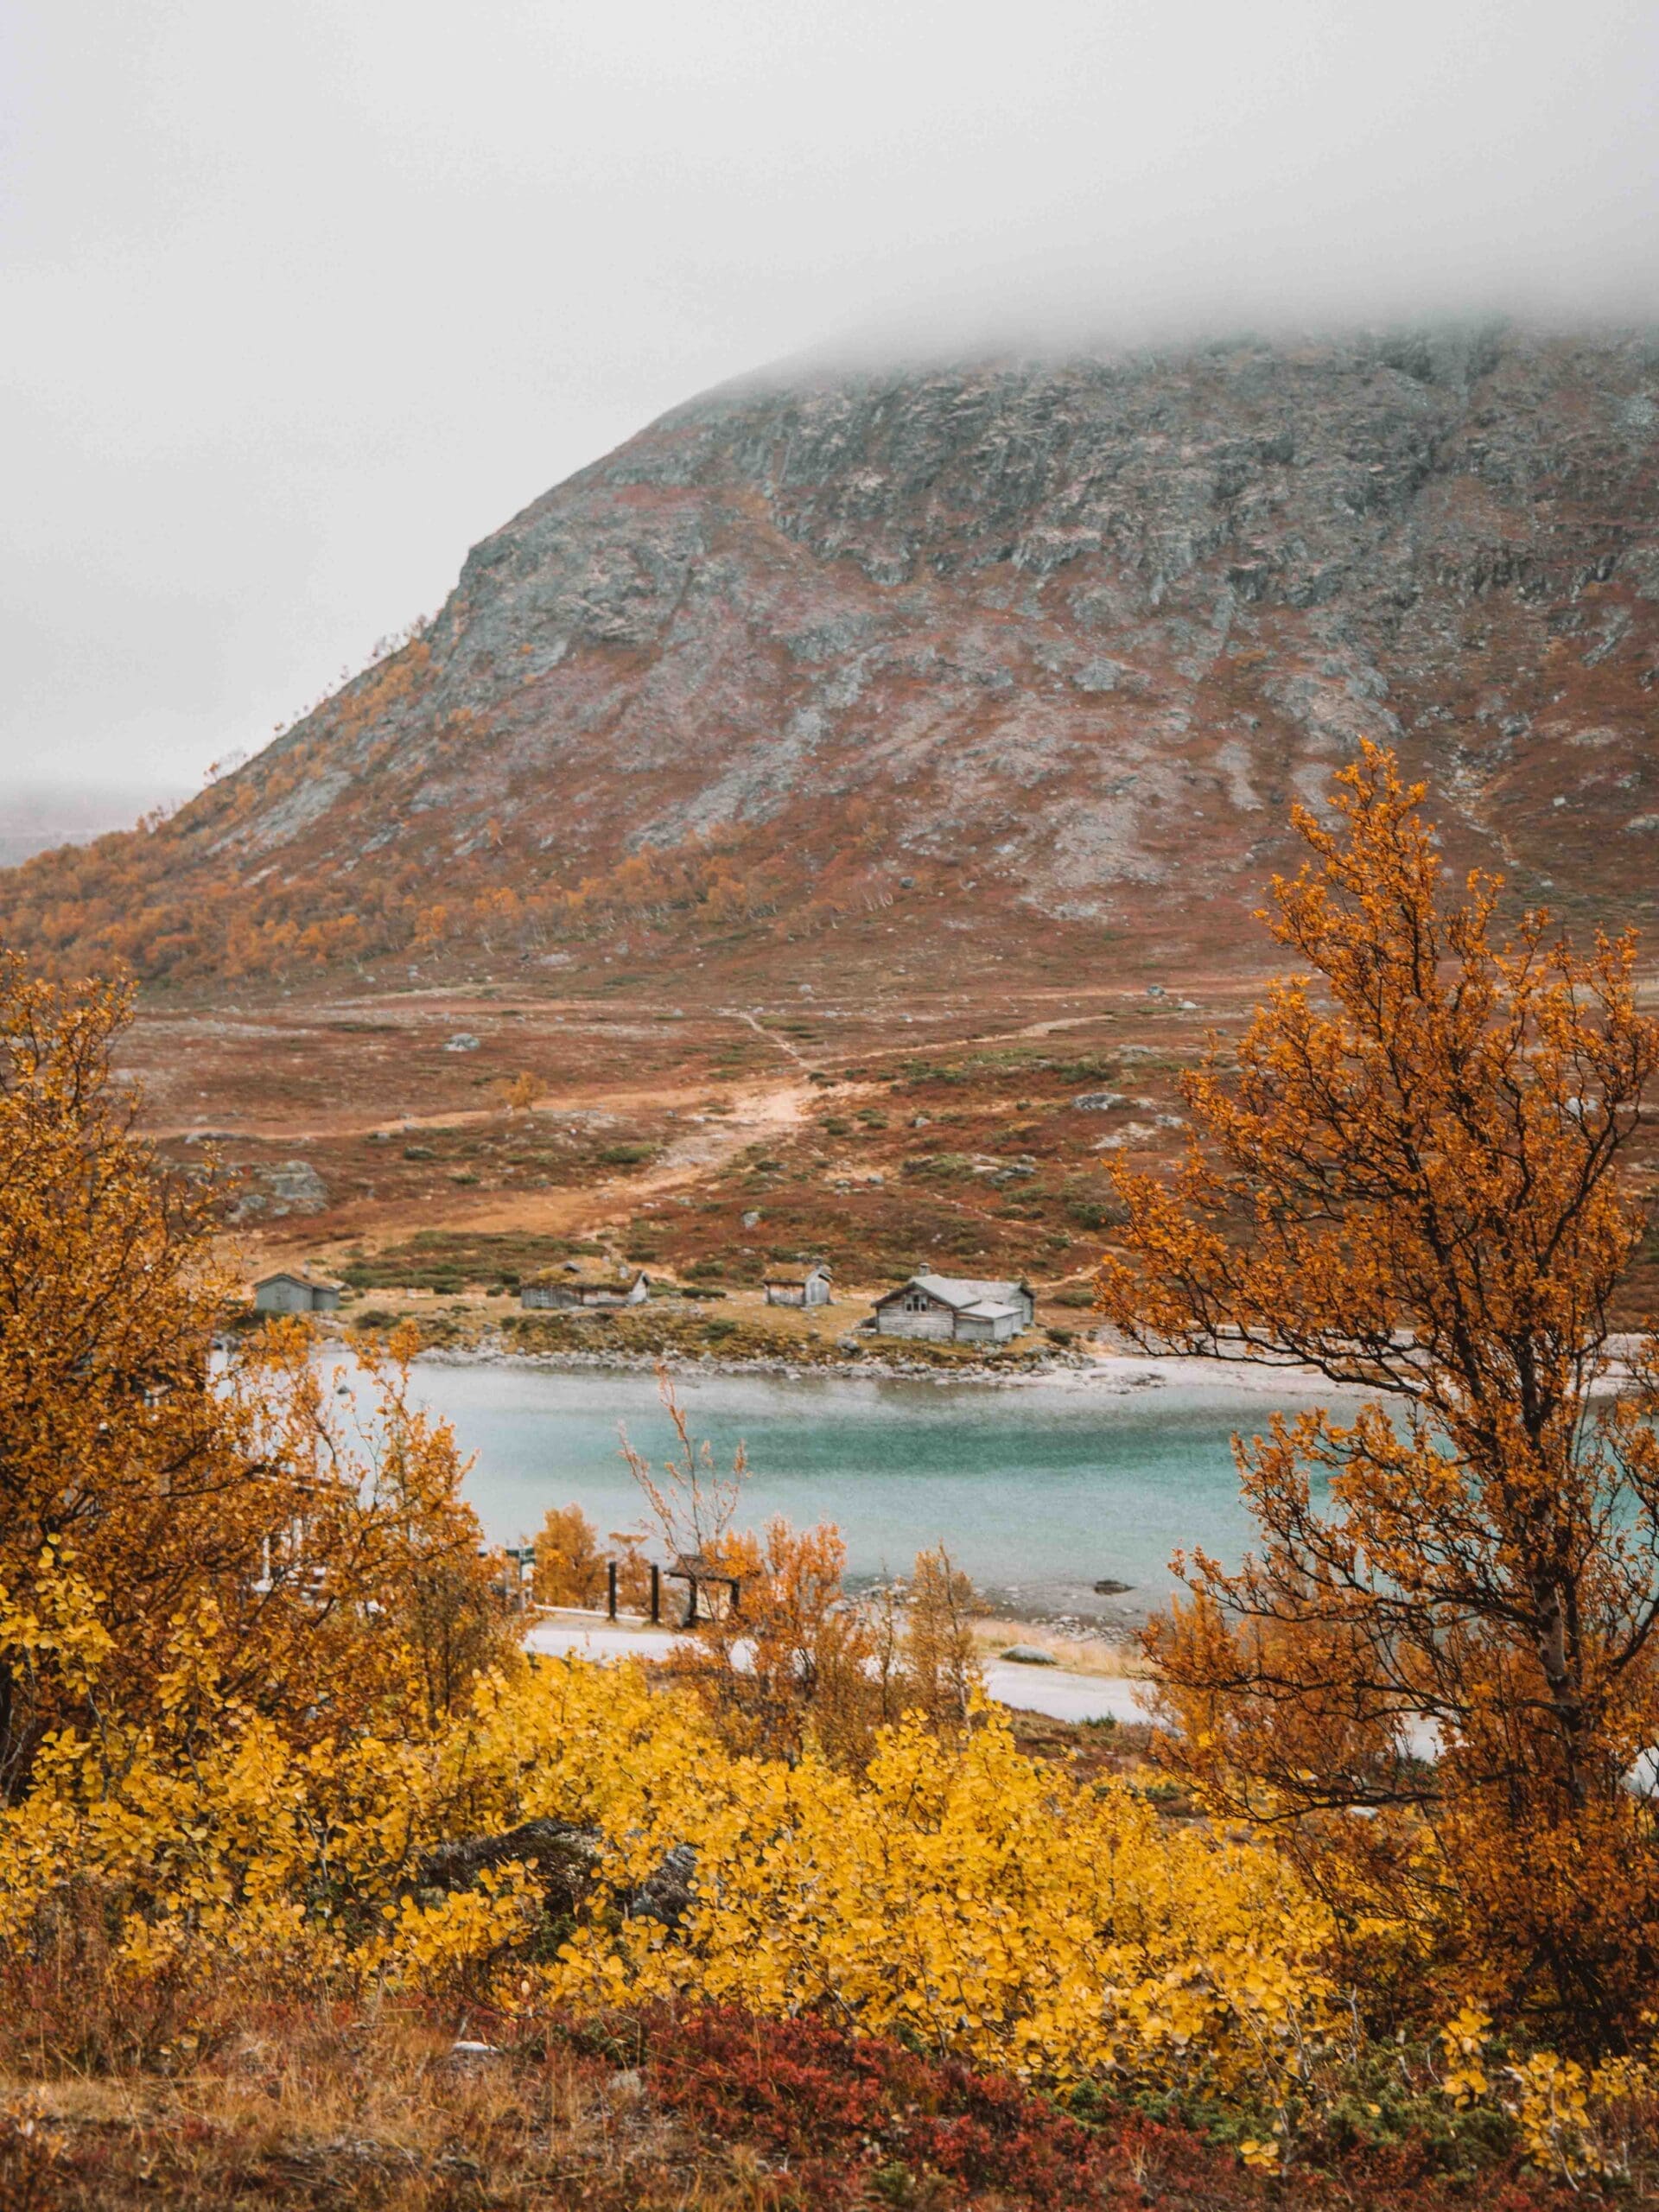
(955, 1309)
(294, 1291)
(582, 1287)
(799, 1286)
(703, 1574)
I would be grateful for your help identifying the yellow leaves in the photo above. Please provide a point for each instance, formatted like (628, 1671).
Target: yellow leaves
(428, 1946)
(148, 1948)
(1570, 2118)
(61, 1623)
(956, 1889)
(1463, 2039)
(1007, 1915)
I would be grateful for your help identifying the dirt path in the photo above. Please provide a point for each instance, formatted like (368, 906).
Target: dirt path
(701, 1149)
(1111, 1002)
(769, 1036)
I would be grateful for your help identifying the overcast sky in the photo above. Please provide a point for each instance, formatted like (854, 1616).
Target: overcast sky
(299, 298)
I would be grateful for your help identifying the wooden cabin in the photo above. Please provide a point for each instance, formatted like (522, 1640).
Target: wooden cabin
(955, 1309)
(295, 1291)
(583, 1287)
(799, 1286)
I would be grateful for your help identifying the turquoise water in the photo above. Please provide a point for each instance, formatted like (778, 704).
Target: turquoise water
(1038, 1491)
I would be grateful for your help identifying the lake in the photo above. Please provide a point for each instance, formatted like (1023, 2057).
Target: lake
(1038, 1489)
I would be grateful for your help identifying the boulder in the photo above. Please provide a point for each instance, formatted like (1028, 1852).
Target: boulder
(286, 1186)
(566, 1857)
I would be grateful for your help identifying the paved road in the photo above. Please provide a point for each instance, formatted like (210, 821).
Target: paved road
(1051, 1690)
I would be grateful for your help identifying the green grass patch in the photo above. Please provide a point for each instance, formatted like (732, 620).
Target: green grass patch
(939, 1166)
(437, 1259)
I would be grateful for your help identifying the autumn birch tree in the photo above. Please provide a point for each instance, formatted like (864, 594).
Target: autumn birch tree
(337, 1573)
(1436, 1672)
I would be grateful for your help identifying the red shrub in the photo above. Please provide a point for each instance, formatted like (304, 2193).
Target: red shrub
(852, 2121)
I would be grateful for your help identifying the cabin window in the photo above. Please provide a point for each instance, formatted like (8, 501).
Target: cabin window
(917, 1301)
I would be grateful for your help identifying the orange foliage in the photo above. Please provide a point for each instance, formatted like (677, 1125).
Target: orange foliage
(520, 1093)
(791, 1663)
(136, 900)
(1414, 1183)
(168, 1488)
(569, 1566)
(796, 1663)
(939, 1661)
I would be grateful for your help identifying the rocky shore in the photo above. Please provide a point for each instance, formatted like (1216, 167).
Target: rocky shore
(1113, 1373)
(1047, 1366)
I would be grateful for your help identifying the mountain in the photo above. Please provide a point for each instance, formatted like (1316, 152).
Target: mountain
(1037, 651)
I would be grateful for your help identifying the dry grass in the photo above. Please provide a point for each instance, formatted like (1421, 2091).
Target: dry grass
(294, 2110)
(314, 2109)
(1080, 1653)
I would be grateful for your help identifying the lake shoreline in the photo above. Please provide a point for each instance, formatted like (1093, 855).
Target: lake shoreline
(1110, 1373)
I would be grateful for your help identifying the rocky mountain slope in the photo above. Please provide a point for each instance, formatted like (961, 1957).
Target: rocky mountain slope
(1036, 652)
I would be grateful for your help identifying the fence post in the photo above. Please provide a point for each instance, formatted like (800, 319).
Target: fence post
(610, 1593)
(655, 1591)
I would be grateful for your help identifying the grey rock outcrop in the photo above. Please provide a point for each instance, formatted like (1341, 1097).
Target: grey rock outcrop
(288, 1187)
(566, 1860)
(1044, 597)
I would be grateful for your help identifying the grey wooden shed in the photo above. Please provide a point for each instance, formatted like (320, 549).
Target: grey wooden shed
(799, 1286)
(575, 1288)
(294, 1291)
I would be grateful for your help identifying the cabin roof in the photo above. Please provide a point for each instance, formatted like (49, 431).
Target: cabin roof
(585, 1275)
(797, 1275)
(965, 1292)
(300, 1276)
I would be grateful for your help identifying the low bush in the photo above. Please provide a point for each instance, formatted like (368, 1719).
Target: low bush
(670, 2109)
(438, 1259)
(1096, 1209)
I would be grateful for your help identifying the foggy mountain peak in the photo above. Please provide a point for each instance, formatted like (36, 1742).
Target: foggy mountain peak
(1053, 642)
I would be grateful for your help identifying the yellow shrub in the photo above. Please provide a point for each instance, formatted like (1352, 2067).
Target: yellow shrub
(1574, 2122)
(961, 1892)
(953, 1892)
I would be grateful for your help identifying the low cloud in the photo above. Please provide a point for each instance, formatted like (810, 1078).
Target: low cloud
(302, 300)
